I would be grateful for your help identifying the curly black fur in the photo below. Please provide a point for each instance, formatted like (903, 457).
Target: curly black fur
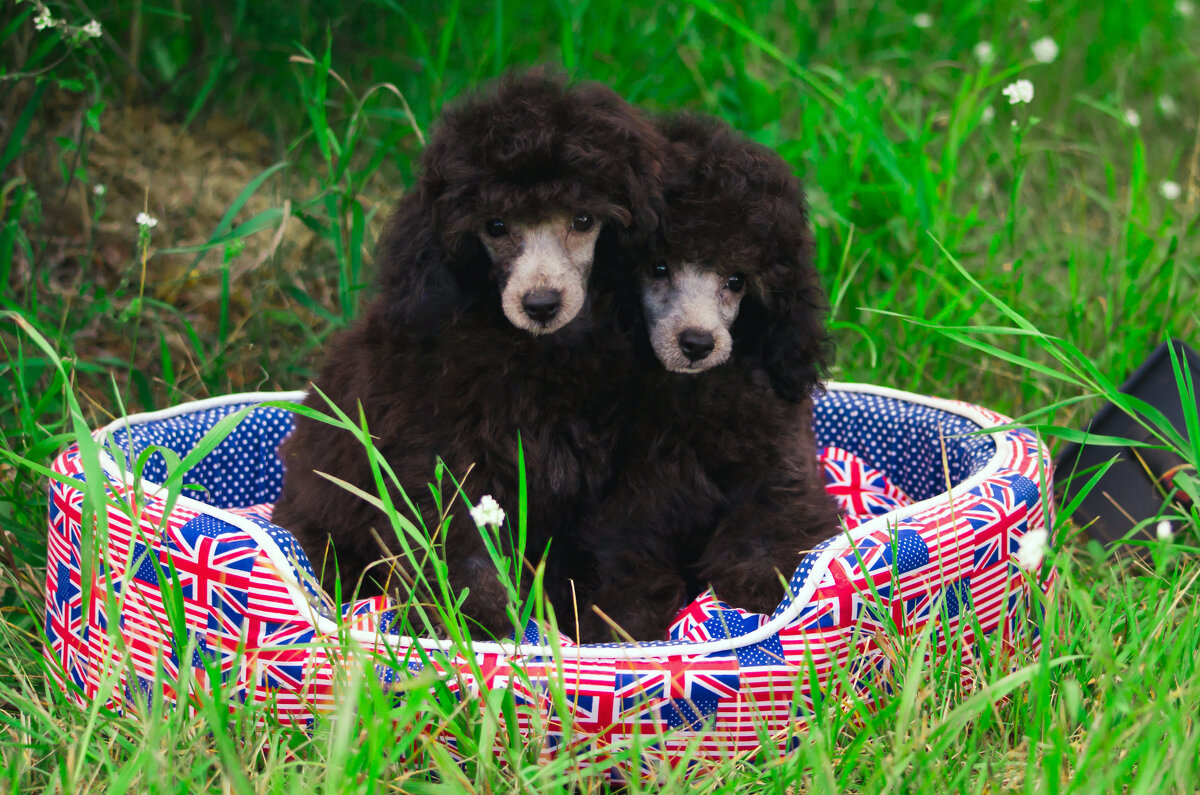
(525, 145)
(719, 482)
(440, 372)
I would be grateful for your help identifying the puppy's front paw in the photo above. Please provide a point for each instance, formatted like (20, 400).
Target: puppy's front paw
(486, 605)
(754, 595)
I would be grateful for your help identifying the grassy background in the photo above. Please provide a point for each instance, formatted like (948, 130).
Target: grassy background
(269, 140)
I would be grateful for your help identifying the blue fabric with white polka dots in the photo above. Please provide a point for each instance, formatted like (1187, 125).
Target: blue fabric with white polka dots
(243, 470)
(903, 440)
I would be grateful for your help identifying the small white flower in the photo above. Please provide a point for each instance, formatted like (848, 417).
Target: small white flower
(984, 52)
(99, 189)
(1164, 531)
(91, 30)
(1044, 50)
(1132, 117)
(1018, 92)
(1031, 549)
(1168, 106)
(1185, 8)
(923, 20)
(146, 221)
(987, 115)
(1170, 191)
(42, 19)
(488, 511)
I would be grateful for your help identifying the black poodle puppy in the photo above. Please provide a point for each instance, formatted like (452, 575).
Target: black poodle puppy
(718, 482)
(494, 322)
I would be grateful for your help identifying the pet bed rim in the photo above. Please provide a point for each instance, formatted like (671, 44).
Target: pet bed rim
(514, 648)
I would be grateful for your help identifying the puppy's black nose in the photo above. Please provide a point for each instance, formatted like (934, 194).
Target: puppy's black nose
(695, 344)
(542, 305)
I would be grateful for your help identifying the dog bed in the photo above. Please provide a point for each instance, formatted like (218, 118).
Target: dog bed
(935, 512)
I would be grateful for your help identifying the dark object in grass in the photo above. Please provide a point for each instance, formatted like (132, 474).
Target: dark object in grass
(1138, 489)
(717, 479)
(498, 318)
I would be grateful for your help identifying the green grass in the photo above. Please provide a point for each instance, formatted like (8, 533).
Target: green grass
(1026, 263)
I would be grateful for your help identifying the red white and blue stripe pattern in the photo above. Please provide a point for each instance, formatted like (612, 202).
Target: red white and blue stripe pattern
(203, 590)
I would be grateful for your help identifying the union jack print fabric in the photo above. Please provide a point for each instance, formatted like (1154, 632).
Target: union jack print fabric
(861, 491)
(191, 594)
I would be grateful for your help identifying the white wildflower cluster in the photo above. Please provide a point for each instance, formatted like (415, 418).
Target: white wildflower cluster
(1185, 8)
(984, 52)
(923, 20)
(1167, 106)
(1164, 531)
(1170, 190)
(1019, 92)
(1045, 50)
(99, 189)
(44, 20)
(1132, 117)
(487, 512)
(146, 221)
(1031, 549)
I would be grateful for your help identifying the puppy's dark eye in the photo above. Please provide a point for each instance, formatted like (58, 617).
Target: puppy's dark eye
(496, 228)
(583, 222)
(659, 270)
(736, 283)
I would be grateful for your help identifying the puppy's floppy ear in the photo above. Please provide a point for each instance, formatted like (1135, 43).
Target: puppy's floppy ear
(784, 323)
(796, 347)
(420, 291)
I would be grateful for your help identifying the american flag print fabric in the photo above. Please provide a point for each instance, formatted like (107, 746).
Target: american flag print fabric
(185, 595)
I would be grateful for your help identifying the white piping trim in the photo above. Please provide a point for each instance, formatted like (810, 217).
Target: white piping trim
(1004, 450)
(203, 404)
